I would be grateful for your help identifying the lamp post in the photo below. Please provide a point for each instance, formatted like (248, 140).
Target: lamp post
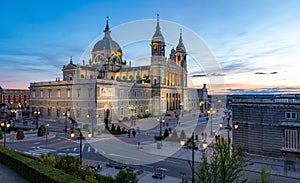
(181, 107)
(211, 112)
(91, 117)
(201, 104)
(80, 142)
(131, 108)
(66, 114)
(5, 125)
(228, 117)
(37, 115)
(147, 112)
(193, 158)
(160, 120)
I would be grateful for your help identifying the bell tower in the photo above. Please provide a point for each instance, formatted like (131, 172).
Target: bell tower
(158, 60)
(157, 69)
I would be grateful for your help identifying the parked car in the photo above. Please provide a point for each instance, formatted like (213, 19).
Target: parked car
(158, 175)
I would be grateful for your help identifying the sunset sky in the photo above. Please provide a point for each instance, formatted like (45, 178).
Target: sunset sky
(256, 43)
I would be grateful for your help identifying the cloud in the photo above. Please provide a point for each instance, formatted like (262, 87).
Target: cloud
(266, 73)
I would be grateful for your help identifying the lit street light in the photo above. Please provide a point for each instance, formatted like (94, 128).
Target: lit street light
(161, 121)
(131, 108)
(181, 107)
(92, 121)
(66, 114)
(80, 138)
(211, 112)
(37, 115)
(5, 125)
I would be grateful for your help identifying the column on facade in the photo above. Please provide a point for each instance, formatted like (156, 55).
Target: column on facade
(167, 100)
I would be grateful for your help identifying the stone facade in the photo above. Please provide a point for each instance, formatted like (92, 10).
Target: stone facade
(106, 86)
(267, 124)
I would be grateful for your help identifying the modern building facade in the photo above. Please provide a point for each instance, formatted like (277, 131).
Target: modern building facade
(267, 124)
(106, 86)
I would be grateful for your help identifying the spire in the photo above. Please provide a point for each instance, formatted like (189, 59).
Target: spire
(71, 61)
(107, 27)
(180, 47)
(158, 35)
(106, 30)
(157, 24)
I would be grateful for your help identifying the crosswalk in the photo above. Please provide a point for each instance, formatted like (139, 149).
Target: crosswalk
(74, 151)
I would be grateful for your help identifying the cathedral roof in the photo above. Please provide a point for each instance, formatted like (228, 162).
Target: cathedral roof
(158, 37)
(180, 47)
(107, 43)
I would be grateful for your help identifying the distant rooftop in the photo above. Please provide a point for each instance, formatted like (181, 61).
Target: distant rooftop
(265, 99)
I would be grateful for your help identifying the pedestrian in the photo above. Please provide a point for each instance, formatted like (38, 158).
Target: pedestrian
(129, 133)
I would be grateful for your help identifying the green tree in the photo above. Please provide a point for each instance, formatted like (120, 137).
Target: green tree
(113, 128)
(126, 177)
(41, 131)
(225, 166)
(182, 135)
(264, 176)
(174, 136)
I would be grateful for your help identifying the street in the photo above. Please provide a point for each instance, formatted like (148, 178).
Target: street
(141, 152)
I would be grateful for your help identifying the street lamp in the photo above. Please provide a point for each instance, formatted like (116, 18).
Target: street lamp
(91, 117)
(80, 142)
(181, 107)
(5, 125)
(160, 120)
(147, 112)
(131, 108)
(37, 115)
(228, 117)
(211, 112)
(201, 104)
(66, 114)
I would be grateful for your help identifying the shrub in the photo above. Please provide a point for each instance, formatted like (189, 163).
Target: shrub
(174, 136)
(1, 135)
(20, 134)
(41, 131)
(182, 135)
(118, 128)
(113, 128)
(133, 118)
(125, 119)
(140, 116)
(166, 133)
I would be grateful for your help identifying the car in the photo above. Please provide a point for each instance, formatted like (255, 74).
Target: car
(110, 164)
(131, 169)
(158, 175)
(120, 166)
(139, 171)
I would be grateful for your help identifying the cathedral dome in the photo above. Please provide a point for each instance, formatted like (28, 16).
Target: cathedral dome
(107, 43)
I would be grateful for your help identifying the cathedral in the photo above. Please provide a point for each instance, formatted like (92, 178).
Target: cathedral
(109, 89)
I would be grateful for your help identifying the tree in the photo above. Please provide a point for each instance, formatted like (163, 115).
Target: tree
(174, 136)
(264, 176)
(118, 128)
(20, 134)
(113, 128)
(225, 165)
(41, 131)
(182, 135)
(126, 177)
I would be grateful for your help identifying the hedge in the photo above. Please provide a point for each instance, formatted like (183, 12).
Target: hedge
(32, 170)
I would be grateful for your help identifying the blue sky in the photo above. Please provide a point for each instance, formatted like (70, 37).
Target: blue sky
(255, 42)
